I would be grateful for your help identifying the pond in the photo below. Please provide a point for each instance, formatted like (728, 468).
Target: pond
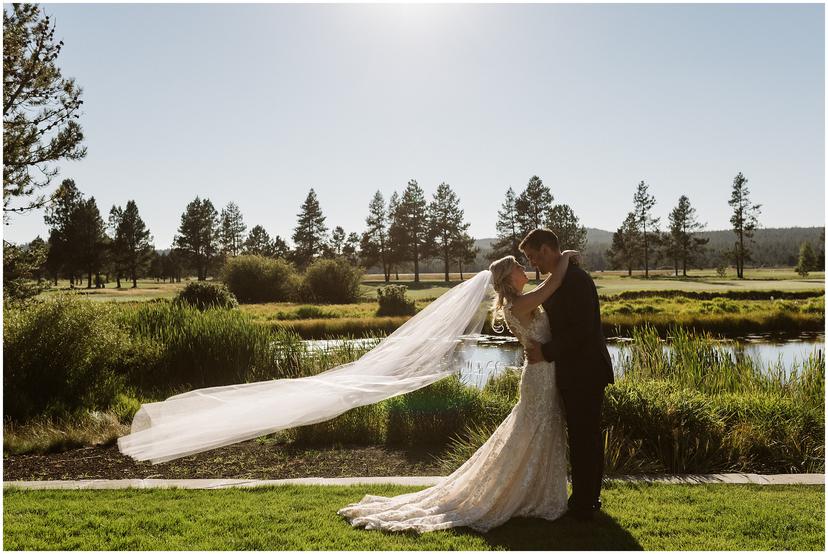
(485, 355)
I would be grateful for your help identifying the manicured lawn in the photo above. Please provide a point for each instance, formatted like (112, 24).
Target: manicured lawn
(651, 517)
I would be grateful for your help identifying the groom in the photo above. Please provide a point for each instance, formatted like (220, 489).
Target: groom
(583, 366)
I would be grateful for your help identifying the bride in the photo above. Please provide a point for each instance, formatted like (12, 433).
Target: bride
(521, 469)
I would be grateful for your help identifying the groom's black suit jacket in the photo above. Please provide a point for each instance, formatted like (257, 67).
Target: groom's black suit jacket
(578, 347)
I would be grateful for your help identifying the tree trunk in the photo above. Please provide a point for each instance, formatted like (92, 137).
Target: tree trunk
(646, 261)
(741, 255)
(89, 280)
(118, 280)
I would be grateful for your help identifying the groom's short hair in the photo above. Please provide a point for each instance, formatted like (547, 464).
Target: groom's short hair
(538, 237)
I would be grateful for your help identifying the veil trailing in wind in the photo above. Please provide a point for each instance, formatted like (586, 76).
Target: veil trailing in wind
(417, 354)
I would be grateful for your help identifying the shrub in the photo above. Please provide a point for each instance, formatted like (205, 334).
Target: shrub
(392, 301)
(332, 282)
(203, 295)
(363, 425)
(433, 414)
(259, 279)
(64, 354)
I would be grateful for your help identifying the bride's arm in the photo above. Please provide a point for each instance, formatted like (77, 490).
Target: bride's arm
(527, 302)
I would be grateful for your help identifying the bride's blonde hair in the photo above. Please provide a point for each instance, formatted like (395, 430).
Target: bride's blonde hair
(505, 291)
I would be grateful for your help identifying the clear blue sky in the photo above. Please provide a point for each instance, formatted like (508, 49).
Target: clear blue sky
(258, 103)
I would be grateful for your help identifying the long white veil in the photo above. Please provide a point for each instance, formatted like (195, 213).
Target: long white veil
(415, 355)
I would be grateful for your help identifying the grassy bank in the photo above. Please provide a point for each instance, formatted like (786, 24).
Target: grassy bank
(726, 314)
(649, 517)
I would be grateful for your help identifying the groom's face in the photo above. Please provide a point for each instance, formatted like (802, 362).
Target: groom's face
(542, 258)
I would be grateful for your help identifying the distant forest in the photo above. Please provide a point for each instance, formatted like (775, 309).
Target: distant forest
(772, 247)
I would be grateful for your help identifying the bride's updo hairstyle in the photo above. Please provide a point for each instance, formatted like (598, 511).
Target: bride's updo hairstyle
(505, 291)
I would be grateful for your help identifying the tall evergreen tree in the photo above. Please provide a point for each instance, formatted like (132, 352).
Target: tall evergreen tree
(231, 234)
(117, 246)
(338, 238)
(412, 214)
(626, 248)
(396, 236)
(258, 243)
(132, 245)
(464, 252)
(643, 203)
(87, 239)
(807, 259)
(198, 234)
(374, 246)
(532, 208)
(310, 233)
(446, 225)
(65, 200)
(508, 230)
(40, 107)
(744, 221)
(350, 248)
(683, 225)
(571, 234)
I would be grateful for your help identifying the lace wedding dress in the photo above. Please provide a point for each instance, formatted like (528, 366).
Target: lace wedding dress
(519, 471)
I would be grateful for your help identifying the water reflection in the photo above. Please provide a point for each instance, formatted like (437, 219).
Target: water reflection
(482, 356)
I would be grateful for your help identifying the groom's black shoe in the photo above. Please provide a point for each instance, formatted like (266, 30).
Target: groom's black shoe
(583, 513)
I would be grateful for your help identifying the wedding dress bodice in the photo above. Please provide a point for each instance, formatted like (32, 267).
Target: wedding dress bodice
(537, 330)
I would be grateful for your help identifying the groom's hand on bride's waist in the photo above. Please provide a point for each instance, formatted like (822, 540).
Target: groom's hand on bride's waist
(533, 352)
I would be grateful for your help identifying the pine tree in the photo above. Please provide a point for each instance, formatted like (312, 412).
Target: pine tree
(626, 245)
(350, 248)
(132, 245)
(280, 248)
(374, 246)
(310, 233)
(532, 208)
(87, 241)
(64, 201)
(258, 243)
(231, 234)
(683, 224)
(445, 225)
(338, 237)
(117, 247)
(464, 251)
(807, 259)
(40, 107)
(571, 234)
(643, 203)
(412, 214)
(508, 230)
(198, 234)
(744, 221)
(396, 235)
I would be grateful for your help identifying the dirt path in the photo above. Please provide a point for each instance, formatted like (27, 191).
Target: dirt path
(246, 460)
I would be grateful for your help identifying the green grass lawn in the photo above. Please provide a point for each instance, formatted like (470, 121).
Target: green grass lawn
(637, 516)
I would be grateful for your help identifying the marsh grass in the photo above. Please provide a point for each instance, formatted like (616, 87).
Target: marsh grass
(44, 434)
(697, 407)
